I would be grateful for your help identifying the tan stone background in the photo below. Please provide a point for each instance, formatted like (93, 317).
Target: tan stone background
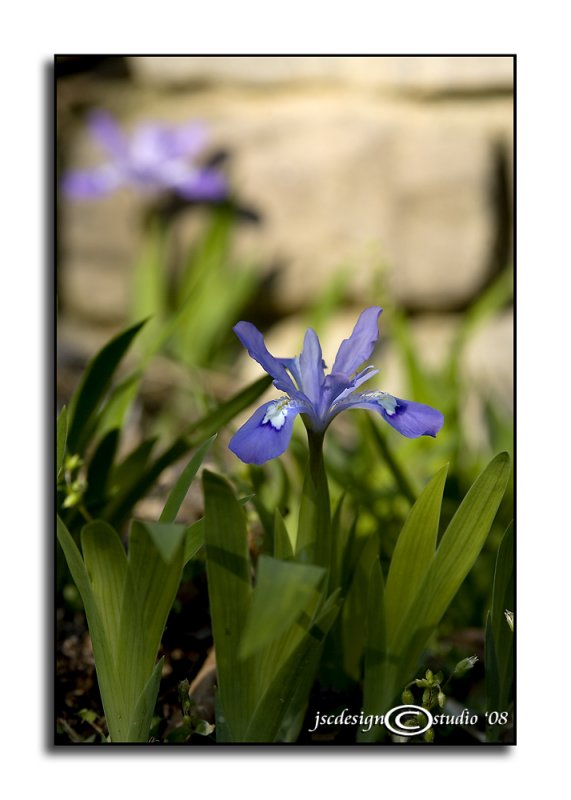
(397, 169)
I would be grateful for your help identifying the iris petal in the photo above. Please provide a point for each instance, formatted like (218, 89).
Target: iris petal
(267, 433)
(336, 386)
(292, 365)
(155, 142)
(105, 130)
(357, 349)
(311, 367)
(149, 146)
(189, 139)
(254, 343)
(154, 157)
(202, 184)
(352, 384)
(408, 418)
(319, 397)
(92, 183)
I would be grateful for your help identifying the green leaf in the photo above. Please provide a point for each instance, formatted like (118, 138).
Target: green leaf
(495, 297)
(376, 619)
(142, 715)
(402, 480)
(286, 697)
(100, 470)
(150, 589)
(150, 278)
(119, 509)
(203, 303)
(493, 681)
(124, 484)
(353, 618)
(225, 412)
(500, 649)
(230, 592)
(503, 587)
(181, 487)
(193, 540)
(75, 563)
(340, 535)
(456, 554)
(194, 537)
(283, 590)
(134, 464)
(420, 383)
(120, 399)
(414, 552)
(168, 538)
(127, 600)
(265, 516)
(94, 384)
(111, 692)
(106, 564)
(375, 650)
(283, 546)
(209, 253)
(349, 551)
(61, 437)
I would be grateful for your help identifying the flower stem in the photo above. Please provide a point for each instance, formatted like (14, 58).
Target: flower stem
(314, 530)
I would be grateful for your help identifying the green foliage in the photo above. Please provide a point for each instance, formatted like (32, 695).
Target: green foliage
(499, 634)
(85, 407)
(127, 598)
(191, 304)
(283, 591)
(264, 675)
(437, 579)
(99, 485)
(330, 603)
(180, 489)
(414, 552)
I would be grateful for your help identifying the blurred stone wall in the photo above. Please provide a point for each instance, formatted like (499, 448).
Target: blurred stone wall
(398, 169)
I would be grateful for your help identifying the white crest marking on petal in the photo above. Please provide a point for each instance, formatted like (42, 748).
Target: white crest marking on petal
(276, 414)
(385, 400)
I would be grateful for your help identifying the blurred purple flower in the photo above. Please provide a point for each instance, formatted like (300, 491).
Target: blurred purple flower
(155, 157)
(321, 397)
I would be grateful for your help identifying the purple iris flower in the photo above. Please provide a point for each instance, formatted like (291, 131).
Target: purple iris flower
(320, 397)
(155, 157)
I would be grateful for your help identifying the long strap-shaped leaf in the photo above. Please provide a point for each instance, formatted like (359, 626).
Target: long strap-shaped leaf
(268, 639)
(458, 550)
(230, 591)
(283, 591)
(106, 564)
(178, 492)
(93, 386)
(414, 552)
(155, 562)
(119, 508)
(499, 636)
(502, 600)
(456, 554)
(111, 694)
(375, 652)
(134, 598)
(287, 694)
